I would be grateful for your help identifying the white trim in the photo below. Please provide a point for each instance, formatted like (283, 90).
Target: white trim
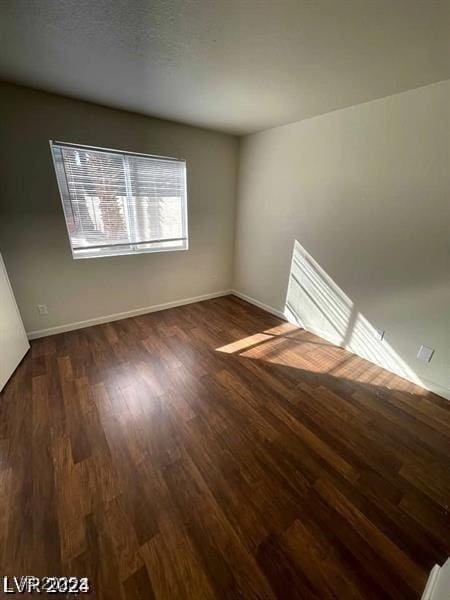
(438, 584)
(32, 335)
(421, 381)
(431, 386)
(325, 335)
(113, 150)
(431, 583)
(259, 304)
(425, 383)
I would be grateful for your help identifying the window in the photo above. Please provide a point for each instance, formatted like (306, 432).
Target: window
(119, 202)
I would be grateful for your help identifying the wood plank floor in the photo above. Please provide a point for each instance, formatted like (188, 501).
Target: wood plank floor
(214, 451)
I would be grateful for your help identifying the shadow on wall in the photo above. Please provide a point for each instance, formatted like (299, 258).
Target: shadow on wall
(316, 303)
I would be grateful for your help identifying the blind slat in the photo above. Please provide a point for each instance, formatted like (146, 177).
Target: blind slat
(115, 203)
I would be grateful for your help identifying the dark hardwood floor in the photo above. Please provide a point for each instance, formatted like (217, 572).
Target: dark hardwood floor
(214, 451)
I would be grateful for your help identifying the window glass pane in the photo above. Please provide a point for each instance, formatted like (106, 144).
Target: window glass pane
(118, 203)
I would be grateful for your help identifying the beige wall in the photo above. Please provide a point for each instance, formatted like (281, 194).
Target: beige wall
(33, 236)
(365, 191)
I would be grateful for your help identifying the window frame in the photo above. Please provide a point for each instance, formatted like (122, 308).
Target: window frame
(136, 250)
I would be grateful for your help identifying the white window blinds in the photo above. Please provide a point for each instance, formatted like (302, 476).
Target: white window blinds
(121, 203)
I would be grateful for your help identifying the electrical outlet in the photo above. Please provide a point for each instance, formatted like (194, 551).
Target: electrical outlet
(42, 309)
(425, 353)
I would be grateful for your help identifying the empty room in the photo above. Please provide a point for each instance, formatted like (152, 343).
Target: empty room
(225, 299)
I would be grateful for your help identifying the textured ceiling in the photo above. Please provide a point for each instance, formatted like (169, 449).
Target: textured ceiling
(233, 65)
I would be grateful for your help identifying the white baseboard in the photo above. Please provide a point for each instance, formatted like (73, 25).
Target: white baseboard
(435, 388)
(259, 304)
(425, 383)
(438, 584)
(32, 335)
(431, 583)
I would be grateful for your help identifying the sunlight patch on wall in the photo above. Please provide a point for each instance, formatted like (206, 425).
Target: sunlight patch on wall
(315, 302)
